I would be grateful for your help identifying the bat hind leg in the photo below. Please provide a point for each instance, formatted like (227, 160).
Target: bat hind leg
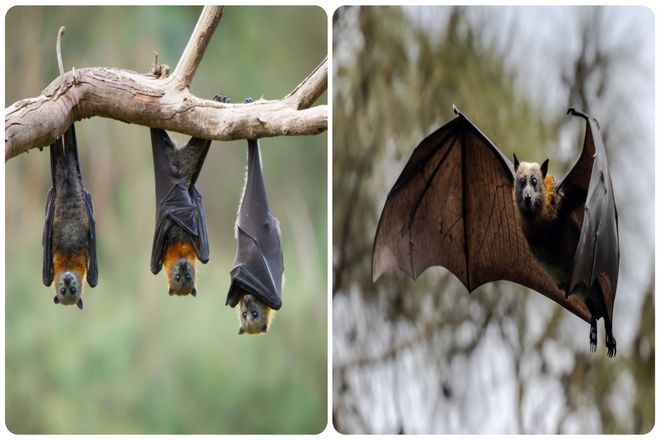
(593, 335)
(610, 342)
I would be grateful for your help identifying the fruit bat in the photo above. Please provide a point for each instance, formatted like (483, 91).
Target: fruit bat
(180, 238)
(69, 236)
(461, 204)
(256, 275)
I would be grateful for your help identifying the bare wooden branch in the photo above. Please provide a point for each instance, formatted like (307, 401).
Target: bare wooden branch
(58, 52)
(194, 51)
(162, 103)
(309, 90)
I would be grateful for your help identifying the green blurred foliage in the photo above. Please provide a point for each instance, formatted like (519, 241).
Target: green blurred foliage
(136, 360)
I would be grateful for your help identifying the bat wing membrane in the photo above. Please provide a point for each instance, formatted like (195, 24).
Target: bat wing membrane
(597, 255)
(453, 206)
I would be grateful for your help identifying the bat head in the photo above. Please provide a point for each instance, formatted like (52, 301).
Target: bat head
(181, 278)
(68, 290)
(253, 315)
(529, 187)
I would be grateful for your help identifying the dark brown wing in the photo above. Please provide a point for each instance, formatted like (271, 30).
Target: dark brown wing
(453, 206)
(177, 202)
(259, 264)
(597, 255)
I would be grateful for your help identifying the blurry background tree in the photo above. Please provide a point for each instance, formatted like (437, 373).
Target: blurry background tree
(136, 360)
(426, 357)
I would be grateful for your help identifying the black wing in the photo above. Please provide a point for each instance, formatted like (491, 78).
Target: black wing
(177, 202)
(259, 265)
(47, 239)
(596, 259)
(452, 206)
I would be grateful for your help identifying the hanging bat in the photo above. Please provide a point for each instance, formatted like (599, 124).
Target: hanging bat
(256, 275)
(461, 204)
(180, 238)
(69, 237)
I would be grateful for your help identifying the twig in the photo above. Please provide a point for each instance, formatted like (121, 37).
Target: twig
(194, 51)
(309, 90)
(58, 50)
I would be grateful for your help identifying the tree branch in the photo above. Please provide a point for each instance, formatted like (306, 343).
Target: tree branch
(162, 103)
(194, 51)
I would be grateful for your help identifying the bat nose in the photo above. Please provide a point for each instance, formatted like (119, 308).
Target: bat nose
(67, 278)
(528, 200)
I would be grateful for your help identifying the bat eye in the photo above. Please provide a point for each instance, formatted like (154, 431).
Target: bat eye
(62, 290)
(188, 277)
(244, 315)
(177, 277)
(73, 290)
(255, 315)
(522, 181)
(534, 181)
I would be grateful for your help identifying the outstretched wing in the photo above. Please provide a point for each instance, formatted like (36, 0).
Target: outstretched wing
(597, 255)
(259, 264)
(452, 206)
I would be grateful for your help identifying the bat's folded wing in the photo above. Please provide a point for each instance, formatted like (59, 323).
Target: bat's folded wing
(259, 264)
(453, 206)
(92, 263)
(253, 273)
(597, 254)
(176, 203)
(47, 241)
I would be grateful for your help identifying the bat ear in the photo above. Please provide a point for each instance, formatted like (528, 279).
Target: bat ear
(170, 292)
(56, 300)
(241, 331)
(544, 167)
(516, 163)
(80, 303)
(264, 328)
(194, 292)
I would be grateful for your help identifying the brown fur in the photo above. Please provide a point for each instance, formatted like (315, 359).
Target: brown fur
(64, 263)
(174, 253)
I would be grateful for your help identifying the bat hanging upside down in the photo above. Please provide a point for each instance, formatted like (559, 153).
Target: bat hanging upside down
(256, 276)
(181, 237)
(459, 203)
(69, 237)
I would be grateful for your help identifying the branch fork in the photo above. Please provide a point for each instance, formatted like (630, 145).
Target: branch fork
(162, 103)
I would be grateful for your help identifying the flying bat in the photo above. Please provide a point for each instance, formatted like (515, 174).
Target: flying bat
(461, 204)
(256, 275)
(69, 236)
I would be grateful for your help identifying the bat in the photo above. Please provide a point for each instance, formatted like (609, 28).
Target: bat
(256, 275)
(460, 203)
(180, 238)
(69, 236)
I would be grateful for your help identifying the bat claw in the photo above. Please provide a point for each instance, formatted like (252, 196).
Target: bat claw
(610, 343)
(221, 98)
(248, 100)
